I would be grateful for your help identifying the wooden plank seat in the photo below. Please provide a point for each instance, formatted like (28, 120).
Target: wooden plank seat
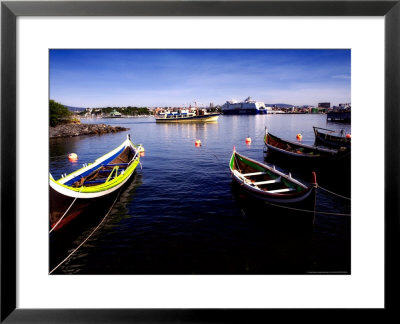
(267, 182)
(252, 174)
(102, 180)
(111, 176)
(282, 190)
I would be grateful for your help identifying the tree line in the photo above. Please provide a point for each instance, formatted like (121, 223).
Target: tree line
(127, 111)
(59, 114)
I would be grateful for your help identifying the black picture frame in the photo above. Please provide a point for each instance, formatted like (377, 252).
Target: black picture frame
(10, 10)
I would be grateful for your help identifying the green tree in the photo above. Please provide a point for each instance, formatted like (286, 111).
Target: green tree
(58, 113)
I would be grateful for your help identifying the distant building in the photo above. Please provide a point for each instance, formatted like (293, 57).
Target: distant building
(319, 110)
(344, 105)
(115, 114)
(324, 105)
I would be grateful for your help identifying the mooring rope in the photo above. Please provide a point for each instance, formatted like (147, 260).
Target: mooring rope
(66, 211)
(333, 193)
(58, 156)
(87, 238)
(307, 211)
(216, 156)
(208, 152)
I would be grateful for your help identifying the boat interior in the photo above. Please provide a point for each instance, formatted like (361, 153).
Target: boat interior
(297, 148)
(263, 179)
(107, 172)
(327, 133)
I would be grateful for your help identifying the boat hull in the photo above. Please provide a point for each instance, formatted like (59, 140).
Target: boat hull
(306, 201)
(298, 203)
(331, 140)
(59, 205)
(205, 118)
(297, 217)
(244, 112)
(331, 143)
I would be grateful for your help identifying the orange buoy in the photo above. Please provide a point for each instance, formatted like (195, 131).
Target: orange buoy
(73, 157)
(299, 137)
(197, 143)
(248, 140)
(348, 136)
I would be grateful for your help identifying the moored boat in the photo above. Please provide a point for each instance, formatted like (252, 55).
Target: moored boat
(268, 184)
(303, 153)
(332, 138)
(185, 115)
(93, 184)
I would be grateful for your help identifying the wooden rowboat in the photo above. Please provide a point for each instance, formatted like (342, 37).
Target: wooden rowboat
(302, 152)
(93, 185)
(327, 137)
(271, 185)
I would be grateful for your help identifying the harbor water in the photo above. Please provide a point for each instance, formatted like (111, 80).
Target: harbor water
(181, 214)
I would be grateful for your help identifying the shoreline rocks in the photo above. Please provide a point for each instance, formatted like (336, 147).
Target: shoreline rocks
(69, 130)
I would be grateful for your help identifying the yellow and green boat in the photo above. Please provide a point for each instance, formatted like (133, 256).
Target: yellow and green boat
(93, 184)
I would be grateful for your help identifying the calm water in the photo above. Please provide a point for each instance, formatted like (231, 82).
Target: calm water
(181, 214)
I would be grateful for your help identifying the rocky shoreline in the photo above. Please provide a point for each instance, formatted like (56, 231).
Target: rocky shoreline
(69, 130)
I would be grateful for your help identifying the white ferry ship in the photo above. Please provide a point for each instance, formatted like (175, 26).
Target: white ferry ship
(246, 107)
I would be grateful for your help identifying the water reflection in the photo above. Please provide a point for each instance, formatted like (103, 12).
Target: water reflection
(181, 214)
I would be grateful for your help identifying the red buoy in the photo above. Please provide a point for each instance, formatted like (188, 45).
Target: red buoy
(248, 140)
(348, 136)
(197, 143)
(73, 157)
(299, 137)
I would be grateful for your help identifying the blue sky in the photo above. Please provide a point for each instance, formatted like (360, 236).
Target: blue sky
(101, 78)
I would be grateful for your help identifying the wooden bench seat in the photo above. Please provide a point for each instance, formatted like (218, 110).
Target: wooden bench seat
(282, 190)
(252, 174)
(267, 182)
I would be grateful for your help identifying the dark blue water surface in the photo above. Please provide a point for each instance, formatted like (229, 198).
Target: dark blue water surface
(182, 215)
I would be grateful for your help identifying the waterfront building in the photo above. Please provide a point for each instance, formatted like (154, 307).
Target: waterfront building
(115, 114)
(344, 105)
(324, 105)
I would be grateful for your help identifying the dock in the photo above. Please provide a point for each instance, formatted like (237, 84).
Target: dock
(339, 116)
